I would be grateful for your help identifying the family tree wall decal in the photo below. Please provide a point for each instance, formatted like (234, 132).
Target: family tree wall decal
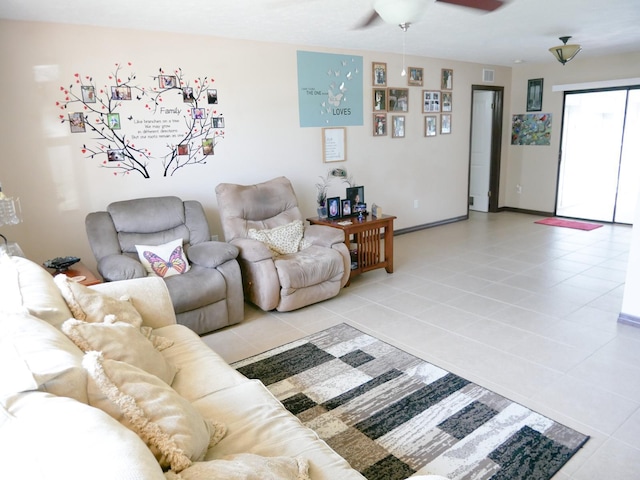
(173, 122)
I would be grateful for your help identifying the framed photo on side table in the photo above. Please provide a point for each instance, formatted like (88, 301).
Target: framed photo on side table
(346, 207)
(333, 207)
(356, 195)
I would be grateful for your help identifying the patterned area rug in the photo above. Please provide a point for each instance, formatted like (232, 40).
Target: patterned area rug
(391, 414)
(561, 222)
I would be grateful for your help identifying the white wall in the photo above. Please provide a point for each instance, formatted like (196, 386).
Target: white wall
(41, 161)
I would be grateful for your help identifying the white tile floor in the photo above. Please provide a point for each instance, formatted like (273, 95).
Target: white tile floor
(528, 311)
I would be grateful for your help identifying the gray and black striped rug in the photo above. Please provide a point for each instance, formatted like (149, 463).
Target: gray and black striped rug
(391, 414)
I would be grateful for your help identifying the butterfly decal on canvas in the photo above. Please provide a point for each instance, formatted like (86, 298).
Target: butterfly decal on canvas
(334, 99)
(161, 266)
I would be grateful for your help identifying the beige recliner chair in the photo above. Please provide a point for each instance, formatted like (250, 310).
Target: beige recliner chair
(206, 297)
(315, 272)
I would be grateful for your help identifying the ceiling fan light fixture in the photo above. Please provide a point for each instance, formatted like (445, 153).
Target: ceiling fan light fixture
(397, 12)
(564, 52)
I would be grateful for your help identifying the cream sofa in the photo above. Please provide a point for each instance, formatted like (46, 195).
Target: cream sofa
(49, 430)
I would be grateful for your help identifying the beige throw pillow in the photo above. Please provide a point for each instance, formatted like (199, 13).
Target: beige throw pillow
(120, 341)
(281, 240)
(173, 429)
(246, 466)
(91, 306)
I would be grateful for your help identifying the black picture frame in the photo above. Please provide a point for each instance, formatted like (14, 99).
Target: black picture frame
(534, 95)
(356, 195)
(345, 207)
(333, 207)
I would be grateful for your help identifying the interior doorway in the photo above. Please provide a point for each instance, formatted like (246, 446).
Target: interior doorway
(599, 174)
(485, 147)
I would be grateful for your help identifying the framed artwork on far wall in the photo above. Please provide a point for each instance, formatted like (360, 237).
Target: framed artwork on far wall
(430, 101)
(445, 123)
(415, 76)
(430, 125)
(447, 101)
(398, 122)
(379, 124)
(534, 95)
(380, 99)
(398, 99)
(379, 72)
(446, 79)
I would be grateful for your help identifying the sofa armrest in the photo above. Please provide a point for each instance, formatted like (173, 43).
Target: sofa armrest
(323, 236)
(120, 267)
(149, 296)
(252, 250)
(211, 254)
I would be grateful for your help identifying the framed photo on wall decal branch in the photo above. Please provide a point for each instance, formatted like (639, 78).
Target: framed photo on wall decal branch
(446, 79)
(379, 72)
(334, 144)
(445, 123)
(534, 95)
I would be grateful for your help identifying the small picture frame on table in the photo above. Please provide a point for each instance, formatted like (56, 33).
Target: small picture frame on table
(333, 207)
(346, 207)
(356, 195)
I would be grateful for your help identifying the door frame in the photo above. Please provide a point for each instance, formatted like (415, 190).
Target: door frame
(496, 144)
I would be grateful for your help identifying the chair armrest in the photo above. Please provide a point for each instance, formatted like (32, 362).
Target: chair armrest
(252, 250)
(120, 267)
(323, 236)
(149, 296)
(211, 254)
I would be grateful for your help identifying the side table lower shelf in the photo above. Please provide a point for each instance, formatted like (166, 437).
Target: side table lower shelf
(370, 241)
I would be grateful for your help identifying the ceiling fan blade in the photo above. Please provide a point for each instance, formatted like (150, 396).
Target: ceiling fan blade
(370, 20)
(486, 5)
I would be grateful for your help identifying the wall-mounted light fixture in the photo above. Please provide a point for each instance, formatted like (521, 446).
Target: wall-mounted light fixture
(564, 52)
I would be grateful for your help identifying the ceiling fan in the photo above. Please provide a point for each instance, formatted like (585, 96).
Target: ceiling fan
(404, 12)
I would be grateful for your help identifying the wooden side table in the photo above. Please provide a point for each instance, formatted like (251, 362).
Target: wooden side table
(364, 240)
(79, 269)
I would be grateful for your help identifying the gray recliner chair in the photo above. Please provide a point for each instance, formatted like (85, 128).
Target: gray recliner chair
(289, 281)
(206, 297)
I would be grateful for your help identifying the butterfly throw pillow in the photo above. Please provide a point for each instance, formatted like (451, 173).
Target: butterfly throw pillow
(164, 260)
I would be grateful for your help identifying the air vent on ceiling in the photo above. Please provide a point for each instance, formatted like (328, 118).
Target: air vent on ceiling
(488, 75)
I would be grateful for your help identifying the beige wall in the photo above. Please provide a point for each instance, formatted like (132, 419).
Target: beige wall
(42, 164)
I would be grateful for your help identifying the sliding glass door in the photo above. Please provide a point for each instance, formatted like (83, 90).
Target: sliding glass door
(600, 156)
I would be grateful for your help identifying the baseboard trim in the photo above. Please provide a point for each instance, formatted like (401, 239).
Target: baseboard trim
(529, 212)
(629, 319)
(424, 226)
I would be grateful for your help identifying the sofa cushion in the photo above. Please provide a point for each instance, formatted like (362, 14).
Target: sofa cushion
(258, 423)
(46, 437)
(283, 239)
(120, 341)
(246, 466)
(172, 428)
(200, 369)
(91, 306)
(26, 286)
(35, 355)
(164, 260)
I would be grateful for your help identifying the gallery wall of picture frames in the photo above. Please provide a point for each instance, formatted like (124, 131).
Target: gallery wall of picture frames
(437, 104)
